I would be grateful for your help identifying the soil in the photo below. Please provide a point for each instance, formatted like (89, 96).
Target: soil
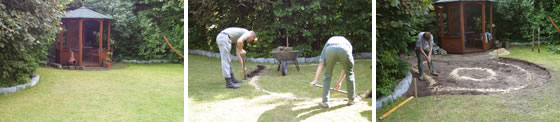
(256, 71)
(463, 74)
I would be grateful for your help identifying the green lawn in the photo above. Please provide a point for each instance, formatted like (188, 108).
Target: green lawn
(151, 92)
(539, 104)
(209, 100)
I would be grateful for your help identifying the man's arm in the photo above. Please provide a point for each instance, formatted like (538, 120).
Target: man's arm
(430, 53)
(240, 51)
(339, 83)
(317, 73)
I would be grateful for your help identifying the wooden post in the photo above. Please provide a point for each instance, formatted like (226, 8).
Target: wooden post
(491, 25)
(442, 30)
(533, 41)
(437, 94)
(415, 90)
(80, 42)
(483, 19)
(60, 47)
(539, 40)
(109, 36)
(462, 22)
(532, 80)
(100, 41)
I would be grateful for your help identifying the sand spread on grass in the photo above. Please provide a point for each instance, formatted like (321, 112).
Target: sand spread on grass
(501, 52)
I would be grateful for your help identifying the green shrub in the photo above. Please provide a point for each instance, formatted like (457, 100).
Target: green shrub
(26, 29)
(307, 24)
(390, 69)
(397, 26)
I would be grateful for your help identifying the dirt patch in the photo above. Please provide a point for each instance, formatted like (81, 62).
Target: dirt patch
(256, 71)
(481, 76)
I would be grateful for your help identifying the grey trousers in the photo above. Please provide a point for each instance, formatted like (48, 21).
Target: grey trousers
(420, 57)
(224, 44)
(343, 55)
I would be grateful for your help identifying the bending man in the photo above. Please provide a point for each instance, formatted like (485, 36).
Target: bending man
(424, 44)
(337, 49)
(237, 36)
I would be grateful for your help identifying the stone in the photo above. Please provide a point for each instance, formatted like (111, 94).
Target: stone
(442, 52)
(250, 59)
(301, 60)
(270, 60)
(260, 60)
(312, 59)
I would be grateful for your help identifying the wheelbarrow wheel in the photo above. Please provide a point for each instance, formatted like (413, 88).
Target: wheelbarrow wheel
(284, 66)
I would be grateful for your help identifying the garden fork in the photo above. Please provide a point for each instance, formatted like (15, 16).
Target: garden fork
(243, 57)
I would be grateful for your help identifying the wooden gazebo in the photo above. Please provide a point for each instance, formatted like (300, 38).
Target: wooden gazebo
(85, 39)
(463, 25)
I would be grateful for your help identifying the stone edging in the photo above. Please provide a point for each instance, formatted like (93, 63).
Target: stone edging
(17, 88)
(273, 60)
(401, 88)
(145, 61)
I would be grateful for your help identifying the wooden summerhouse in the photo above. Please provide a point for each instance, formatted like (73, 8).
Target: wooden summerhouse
(463, 25)
(85, 39)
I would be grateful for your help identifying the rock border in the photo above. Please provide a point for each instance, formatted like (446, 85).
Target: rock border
(153, 61)
(364, 55)
(401, 88)
(17, 88)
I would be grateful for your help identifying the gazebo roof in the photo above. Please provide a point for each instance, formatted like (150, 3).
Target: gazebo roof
(447, 1)
(84, 13)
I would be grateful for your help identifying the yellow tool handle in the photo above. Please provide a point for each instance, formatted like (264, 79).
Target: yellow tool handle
(395, 108)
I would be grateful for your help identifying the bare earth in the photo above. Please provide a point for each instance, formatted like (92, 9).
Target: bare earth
(478, 73)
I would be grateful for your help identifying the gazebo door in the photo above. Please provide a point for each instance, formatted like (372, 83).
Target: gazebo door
(90, 54)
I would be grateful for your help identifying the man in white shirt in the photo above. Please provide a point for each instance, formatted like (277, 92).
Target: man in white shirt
(224, 39)
(424, 44)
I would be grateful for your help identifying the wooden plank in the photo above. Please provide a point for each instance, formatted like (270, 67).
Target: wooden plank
(484, 45)
(462, 22)
(81, 39)
(100, 41)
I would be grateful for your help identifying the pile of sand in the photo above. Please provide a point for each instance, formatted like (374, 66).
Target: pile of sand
(500, 51)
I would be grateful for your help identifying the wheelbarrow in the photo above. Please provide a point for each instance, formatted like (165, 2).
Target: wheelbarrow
(283, 57)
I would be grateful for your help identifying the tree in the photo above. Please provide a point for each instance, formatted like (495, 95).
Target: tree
(26, 29)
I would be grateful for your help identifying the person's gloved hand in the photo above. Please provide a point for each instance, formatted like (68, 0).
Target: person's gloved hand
(312, 83)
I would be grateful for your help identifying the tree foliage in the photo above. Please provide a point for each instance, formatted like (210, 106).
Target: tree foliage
(398, 22)
(26, 30)
(307, 24)
(138, 27)
(515, 20)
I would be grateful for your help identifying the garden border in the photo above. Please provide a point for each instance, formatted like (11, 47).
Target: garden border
(364, 55)
(401, 88)
(13, 89)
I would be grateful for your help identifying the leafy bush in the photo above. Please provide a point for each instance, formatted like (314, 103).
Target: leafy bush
(397, 25)
(307, 24)
(26, 29)
(390, 69)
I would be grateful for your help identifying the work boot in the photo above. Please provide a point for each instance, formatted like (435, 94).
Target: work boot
(421, 78)
(324, 104)
(233, 79)
(354, 101)
(230, 84)
(435, 74)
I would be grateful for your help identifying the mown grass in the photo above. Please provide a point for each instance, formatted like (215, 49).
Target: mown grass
(538, 104)
(137, 93)
(209, 100)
